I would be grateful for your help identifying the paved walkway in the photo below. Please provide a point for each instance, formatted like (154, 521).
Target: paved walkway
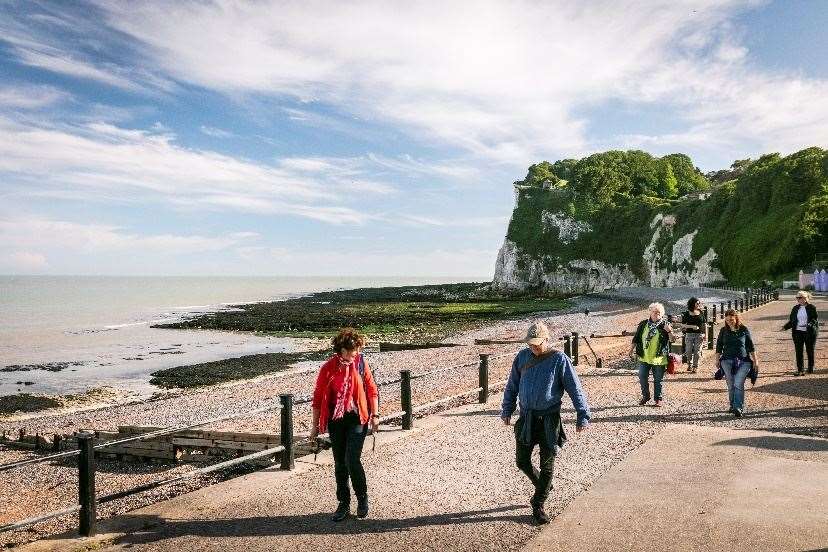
(637, 479)
(693, 488)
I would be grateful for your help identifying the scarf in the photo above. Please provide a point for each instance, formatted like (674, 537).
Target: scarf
(343, 397)
(652, 330)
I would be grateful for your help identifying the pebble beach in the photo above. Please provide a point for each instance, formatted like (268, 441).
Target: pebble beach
(779, 403)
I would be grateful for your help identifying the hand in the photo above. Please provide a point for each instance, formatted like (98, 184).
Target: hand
(581, 428)
(506, 420)
(374, 425)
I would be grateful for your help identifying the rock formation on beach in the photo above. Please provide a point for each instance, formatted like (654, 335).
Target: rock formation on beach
(627, 218)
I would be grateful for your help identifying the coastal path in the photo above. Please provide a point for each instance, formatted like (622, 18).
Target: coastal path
(451, 484)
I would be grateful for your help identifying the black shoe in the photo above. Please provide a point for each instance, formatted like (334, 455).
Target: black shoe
(362, 506)
(737, 412)
(342, 511)
(732, 410)
(810, 370)
(799, 373)
(541, 518)
(642, 402)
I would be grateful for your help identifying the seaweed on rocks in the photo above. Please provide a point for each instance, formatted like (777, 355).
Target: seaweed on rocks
(245, 367)
(404, 313)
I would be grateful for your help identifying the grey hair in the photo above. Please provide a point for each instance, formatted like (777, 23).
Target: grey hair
(657, 307)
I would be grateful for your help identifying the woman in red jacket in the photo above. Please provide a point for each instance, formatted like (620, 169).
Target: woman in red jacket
(344, 402)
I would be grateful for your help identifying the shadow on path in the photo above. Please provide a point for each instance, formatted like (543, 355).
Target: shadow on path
(150, 528)
(796, 444)
(812, 386)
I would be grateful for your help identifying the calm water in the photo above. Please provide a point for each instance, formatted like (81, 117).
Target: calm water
(100, 325)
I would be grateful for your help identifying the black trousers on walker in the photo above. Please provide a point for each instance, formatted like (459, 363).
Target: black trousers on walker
(807, 340)
(540, 478)
(347, 437)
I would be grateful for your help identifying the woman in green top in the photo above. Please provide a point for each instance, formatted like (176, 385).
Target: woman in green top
(651, 344)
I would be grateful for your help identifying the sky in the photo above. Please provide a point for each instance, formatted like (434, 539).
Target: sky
(362, 138)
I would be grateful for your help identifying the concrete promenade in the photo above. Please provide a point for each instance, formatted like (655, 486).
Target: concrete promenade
(687, 476)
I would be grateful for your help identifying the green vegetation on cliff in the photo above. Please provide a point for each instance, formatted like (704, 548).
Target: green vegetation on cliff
(767, 221)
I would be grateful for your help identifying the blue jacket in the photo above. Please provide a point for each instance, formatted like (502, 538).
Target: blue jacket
(541, 387)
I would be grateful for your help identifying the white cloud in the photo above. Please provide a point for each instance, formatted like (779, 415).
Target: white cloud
(24, 261)
(507, 81)
(30, 97)
(42, 234)
(105, 162)
(215, 132)
(443, 261)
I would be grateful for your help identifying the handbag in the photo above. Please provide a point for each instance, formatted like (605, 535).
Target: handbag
(673, 360)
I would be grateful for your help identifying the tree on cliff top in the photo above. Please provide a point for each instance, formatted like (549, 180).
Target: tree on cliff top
(689, 178)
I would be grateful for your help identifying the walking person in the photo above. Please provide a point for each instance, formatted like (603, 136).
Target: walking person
(804, 326)
(538, 379)
(693, 321)
(344, 402)
(736, 357)
(651, 345)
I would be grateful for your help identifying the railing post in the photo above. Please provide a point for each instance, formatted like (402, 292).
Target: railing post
(483, 379)
(741, 305)
(568, 345)
(287, 431)
(709, 335)
(729, 305)
(405, 399)
(705, 313)
(86, 484)
(575, 355)
(714, 313)
(721, 309)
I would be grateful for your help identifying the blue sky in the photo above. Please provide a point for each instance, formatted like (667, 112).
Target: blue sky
(363, 138)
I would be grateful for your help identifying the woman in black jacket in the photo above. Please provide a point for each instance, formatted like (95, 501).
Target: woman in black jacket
(804, 326)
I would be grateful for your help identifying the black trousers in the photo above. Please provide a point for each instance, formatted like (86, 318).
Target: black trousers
(808, 340)
(347, 437)
(540, 478)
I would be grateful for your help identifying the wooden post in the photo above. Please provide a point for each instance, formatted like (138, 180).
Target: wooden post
(86, 484)
(705, 312)
(287, 431)
(568, 345)
(741, 305)
(575, 355)
(709, 335)
(721, 308)
(714, 313)
(405, 399)
(483, 379)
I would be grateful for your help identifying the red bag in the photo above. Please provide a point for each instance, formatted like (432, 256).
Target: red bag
(673, 360)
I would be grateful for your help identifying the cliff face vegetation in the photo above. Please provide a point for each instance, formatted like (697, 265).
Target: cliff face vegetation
(628, 218)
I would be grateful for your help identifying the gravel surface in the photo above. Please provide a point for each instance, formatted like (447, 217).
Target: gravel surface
(482, 498)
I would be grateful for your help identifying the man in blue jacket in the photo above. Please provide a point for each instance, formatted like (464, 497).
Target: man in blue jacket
(538, 379)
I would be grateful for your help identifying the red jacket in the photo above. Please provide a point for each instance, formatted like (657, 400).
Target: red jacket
(361, 394)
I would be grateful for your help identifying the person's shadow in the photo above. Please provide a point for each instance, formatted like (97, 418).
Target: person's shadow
(144, 529)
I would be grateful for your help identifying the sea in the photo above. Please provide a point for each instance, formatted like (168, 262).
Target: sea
(69, 334)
